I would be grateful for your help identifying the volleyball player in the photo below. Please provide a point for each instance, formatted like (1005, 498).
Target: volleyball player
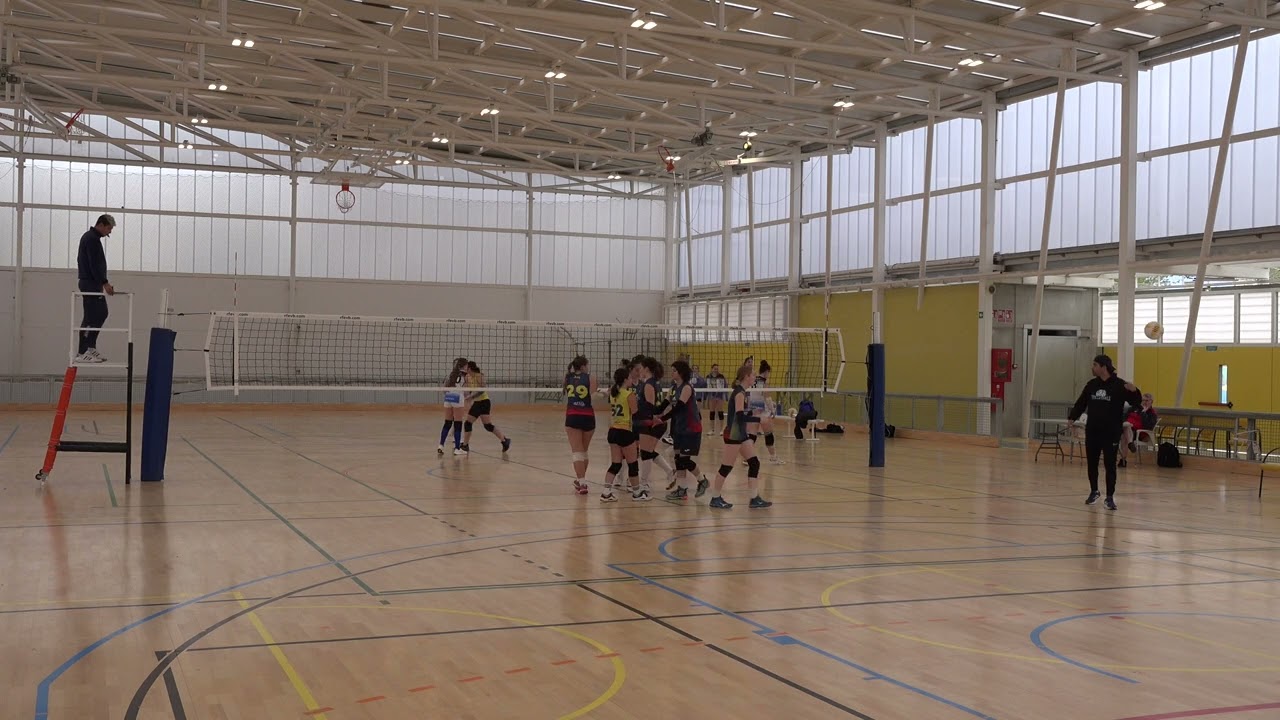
(686, 432)
(579, 418)
(739, 442)
(716, 382)
(455, 407)
(649, 426)
(480, 409)
(762, 406)
(622, 436)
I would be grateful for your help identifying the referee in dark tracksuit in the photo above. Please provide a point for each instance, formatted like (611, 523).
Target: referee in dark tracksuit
(91, 260)
(1103, 399)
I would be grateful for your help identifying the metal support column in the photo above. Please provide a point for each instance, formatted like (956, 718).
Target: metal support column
(751, 229)
(986, 253)
(528, 248)
(19, 223)
(1215, 195)
(795, 226)
(293, 235)
(688, 235)
(726, 234)
(878, 234)
(670, 221)
(1128, 216)
(1050, 188)
(927, 201)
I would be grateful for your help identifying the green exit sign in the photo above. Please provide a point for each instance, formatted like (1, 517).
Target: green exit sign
(1211, 348)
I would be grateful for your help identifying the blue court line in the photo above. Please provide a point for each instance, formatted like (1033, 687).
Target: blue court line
(46, 685)
(9, 439)
(764, 630)
(1037, 640)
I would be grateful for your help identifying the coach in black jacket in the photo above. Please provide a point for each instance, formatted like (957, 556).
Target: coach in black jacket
(91, 260)
(1104, 398)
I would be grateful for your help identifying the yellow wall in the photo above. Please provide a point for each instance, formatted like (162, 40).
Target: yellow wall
(931, 351)
(1253, 375)
(729, 356)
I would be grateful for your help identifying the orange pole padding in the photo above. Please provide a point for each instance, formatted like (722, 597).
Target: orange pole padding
(59, 420)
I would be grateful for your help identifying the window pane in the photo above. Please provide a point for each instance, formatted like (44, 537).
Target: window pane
(1146, 310)
(1110, 321)
(1217, 320)
(1257, 316)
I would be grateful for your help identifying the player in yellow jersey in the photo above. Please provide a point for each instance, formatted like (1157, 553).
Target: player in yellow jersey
(622, 436)
(480, 409)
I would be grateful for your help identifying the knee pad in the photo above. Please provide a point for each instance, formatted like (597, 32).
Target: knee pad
(753, 467)
(722, 416)
(725, 470)
(490, 427)
(684, 463)
(648, 455)
(467, 426)
(633, 469)
(768, 439)
(579, 457)
(615, 468)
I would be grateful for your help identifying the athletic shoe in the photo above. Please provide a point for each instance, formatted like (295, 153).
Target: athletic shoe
(667, 439)
(608, 497)
(460, 450)
(642, 495)
(718, 503)
(506, 445)
(1123, 463)
(89, 359)
(440, 450)
(758, 503)
(1110, 504)
(97, 356)
(466, 446)
(703, 484)
(777, 461)
(678, 495)
(580, 487)
(1093, 498)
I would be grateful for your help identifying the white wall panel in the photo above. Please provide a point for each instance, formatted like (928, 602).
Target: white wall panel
(1085, 212)
(1090, 130)
(957, 157)
(1184, 101)
(1173, 190)
(772, 196)
(706, 210)
(850, 246)
(953, 228)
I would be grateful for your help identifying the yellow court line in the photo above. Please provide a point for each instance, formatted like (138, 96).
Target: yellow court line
(299, 685)
(619, 668)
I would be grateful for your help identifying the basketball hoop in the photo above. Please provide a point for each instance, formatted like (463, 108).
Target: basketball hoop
(74, 133)
(345, 198)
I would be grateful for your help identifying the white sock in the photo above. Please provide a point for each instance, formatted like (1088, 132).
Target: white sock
(662, 463)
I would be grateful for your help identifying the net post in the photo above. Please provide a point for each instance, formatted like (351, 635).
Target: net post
(235, 353)
(875, 397)
(128, 405)
(157, 403)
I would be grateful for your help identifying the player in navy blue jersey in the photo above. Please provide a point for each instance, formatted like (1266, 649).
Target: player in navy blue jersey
(686, 433)
(455, 407)
(579, 418)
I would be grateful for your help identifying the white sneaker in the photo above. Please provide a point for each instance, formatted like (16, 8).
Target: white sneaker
(459, 451)
(93, 352)
(88, 359)
(777, 461)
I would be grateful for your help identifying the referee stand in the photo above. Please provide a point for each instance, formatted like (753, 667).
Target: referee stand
(56, 443)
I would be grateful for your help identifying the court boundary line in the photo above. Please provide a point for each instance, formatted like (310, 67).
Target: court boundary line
(171, 688)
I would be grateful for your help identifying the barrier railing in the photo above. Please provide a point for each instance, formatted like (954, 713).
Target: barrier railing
(932, 413)
(1212, 433)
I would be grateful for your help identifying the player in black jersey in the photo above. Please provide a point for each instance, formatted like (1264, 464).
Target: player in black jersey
(579, 418)
(686, 432)
(739, 442)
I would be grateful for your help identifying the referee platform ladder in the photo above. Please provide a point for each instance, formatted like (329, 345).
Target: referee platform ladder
(56, 443)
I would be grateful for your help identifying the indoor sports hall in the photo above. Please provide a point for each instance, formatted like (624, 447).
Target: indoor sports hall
(639, 359)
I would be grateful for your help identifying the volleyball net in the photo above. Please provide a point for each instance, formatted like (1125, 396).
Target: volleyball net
(283, 351)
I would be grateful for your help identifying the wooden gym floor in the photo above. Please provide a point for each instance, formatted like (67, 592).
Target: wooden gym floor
(325, 564)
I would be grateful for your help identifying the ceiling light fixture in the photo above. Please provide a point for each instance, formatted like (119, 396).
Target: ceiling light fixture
(748, 133)
(491, 110)
(1148, 5)
(554, 73)
(843, 103)
(440, 139)
(971, 62)
(185, 145)
(642, 24)
(615, 176)
(199, 120)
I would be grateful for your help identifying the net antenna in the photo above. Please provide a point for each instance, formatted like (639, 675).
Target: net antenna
(345, 198)
(286, 351)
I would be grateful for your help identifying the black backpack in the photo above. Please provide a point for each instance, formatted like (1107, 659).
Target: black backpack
(1167, 456)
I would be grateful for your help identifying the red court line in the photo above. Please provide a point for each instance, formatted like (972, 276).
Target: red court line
(1208, 711)
(607, 655)
(563, 662)
(471, 679)
(652, 649)
(375, 698)
(735, 639)
(424, 688)
(514, 671)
